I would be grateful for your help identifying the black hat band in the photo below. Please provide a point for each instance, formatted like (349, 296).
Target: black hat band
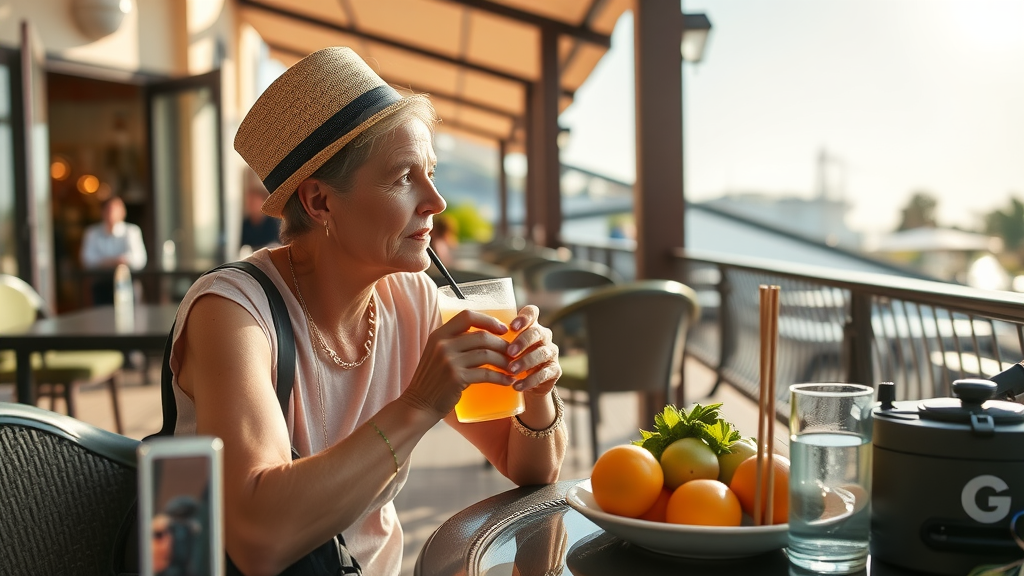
(341, 123)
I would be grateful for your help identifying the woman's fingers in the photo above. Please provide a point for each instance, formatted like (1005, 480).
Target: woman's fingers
(541, 379)
(527, 316)
(467, 350)
(534, 337)
(533, 357)
(471, 365)
(467, 319)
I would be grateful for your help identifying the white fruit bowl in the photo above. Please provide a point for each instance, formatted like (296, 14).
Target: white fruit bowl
(703, 542)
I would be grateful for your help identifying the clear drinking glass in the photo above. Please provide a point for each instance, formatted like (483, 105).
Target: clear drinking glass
(830, 476)
(495, 297)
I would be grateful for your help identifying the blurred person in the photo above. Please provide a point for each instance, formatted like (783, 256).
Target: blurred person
(177, 539)
(109, 243)
(162, 543)
(258, 229)
(444, 237)
(349, 163)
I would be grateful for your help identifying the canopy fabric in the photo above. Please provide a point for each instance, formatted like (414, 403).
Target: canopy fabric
(475, 58)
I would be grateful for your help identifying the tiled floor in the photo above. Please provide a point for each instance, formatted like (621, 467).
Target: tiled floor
(447, 474)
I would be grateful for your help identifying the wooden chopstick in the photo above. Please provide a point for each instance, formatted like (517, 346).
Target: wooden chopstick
(773, 338)
(769, 328)
(761, 401)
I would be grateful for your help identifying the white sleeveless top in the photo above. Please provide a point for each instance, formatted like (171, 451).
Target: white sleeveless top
(406, 315)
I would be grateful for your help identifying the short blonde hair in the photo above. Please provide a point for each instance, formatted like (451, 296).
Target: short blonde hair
(339, 170)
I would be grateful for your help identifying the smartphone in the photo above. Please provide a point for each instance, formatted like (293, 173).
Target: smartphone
(181, 506)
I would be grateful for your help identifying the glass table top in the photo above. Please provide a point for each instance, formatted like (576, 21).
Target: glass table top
(533, 532)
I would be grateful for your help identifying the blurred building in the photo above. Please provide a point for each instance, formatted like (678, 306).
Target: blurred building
(947, 254)
(820, 219)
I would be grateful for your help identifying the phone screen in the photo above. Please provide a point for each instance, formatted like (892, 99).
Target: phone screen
(181, 513)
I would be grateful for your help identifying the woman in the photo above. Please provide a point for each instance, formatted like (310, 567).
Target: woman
(349, 164)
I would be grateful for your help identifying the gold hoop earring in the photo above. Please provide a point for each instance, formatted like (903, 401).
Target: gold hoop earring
(327, 231)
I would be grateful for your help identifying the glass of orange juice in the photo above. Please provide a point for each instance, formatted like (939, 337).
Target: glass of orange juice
(494, 297)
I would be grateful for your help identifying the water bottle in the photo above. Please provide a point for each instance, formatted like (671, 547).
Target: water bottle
(169, 259)
(124, 298)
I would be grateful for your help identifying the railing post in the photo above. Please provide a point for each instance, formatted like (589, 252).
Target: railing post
(858, 335)
(726, 338)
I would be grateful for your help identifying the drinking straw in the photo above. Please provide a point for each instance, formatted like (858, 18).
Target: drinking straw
(444, 272)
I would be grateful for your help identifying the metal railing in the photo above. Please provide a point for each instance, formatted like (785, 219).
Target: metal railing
(838, 325)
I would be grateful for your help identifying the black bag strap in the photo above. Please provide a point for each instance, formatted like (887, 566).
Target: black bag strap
(285, 349)
(332, 557)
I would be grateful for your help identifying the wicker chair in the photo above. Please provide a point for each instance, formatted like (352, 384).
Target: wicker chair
(66, 487)
(633, 340)
(570, 275)
(58, 372)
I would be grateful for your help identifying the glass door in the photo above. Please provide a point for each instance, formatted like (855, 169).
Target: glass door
(184, 119)
(8, 217)
(33, 212)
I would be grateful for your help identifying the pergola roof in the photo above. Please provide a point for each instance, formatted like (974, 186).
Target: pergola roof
(476, 58)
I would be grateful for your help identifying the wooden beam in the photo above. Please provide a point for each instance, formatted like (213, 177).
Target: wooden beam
(549, 203)
(441, 94)
(584, 33)
(502, 191)
(532, 163)
(476, 131)
(658, 192)
(595, 7)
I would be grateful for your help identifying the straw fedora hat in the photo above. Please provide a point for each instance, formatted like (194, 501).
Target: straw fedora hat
(307, 115)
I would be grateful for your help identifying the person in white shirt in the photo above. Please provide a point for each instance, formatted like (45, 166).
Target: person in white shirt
(109, 243)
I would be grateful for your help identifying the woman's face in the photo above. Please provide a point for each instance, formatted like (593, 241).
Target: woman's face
(384, 221)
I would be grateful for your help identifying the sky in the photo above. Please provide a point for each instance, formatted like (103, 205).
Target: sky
(904, 95)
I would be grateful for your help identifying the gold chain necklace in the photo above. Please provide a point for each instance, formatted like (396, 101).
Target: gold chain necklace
(368, 345)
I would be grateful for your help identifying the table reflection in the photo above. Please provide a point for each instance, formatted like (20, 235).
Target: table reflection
(601, 554)
(533, 532)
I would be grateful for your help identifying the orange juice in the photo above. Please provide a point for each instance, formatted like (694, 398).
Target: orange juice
(483, 400)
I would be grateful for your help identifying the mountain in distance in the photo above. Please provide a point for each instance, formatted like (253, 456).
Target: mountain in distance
(467, 173)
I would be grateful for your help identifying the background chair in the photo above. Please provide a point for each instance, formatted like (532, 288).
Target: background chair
(519, 259)
(66, 488)
(570, 275)
(498, 248)
(634, 335)
(56, 372)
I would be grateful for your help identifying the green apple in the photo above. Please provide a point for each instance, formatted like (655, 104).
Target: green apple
(688, 459)
(740, 451)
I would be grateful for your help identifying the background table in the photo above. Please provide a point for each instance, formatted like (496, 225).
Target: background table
(89, 329)
(533, 532)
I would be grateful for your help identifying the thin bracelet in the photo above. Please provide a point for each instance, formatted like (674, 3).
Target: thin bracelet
(530, 432)
(388, 442)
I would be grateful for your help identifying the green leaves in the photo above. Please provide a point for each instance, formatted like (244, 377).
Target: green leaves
(700, 422)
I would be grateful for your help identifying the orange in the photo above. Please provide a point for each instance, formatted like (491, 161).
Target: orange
(626, 480)
(744, 482)
(656, 513)
(705, 503)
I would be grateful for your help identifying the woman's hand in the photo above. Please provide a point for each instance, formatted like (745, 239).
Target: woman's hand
(534, 357)
(455, 356)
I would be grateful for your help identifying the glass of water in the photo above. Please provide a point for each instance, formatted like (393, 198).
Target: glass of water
(830, 476)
